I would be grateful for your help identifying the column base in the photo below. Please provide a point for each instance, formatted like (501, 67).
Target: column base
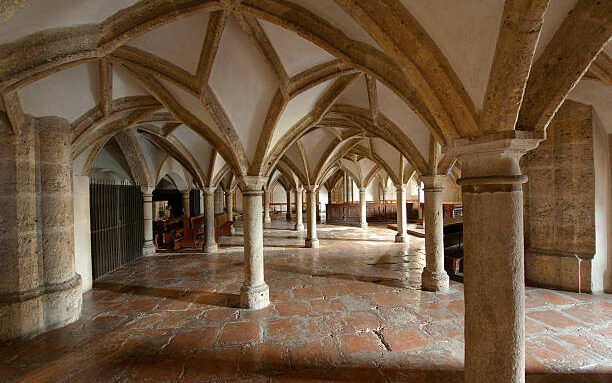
(299, 227)
(267, 223)
(148, 249)
(30, 313)
(432, 281)
(255, 297)
(312, 243)
(212, 248)
(401, 238)
(363, 225)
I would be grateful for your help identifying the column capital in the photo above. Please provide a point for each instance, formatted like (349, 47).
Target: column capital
(208, 190)
(311, 188)
(493, 158)
(400, 187)
(227, 193)
(362, 189)
(299, 189)
(147, 190)
(185, 192)
(433, 182)
(253, 183)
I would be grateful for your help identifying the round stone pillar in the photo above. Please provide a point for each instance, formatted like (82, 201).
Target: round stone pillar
(254, 293)
(229, 206)
(493, 247)
(299, 225)
(62, 286)
(148, 247)
(402, 224)
(434, 277)
(185, 198)
(289, 215)
(210, 246)
(266, 203)
(363, 208)
(311, 239)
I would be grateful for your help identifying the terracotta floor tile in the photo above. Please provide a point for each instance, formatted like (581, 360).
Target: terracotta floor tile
(240, 332)
(345, 312)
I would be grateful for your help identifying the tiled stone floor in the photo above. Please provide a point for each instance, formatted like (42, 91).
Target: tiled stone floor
(342, 313)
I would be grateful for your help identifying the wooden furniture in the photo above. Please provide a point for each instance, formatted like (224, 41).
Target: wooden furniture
(377, 211)
(453, 249)
(222, 226)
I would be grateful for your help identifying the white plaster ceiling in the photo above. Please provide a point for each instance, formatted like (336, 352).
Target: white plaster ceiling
(296, 109)
(296, 54)
(599, 95)
(243, 84)
(189, 102)
(365, 166)
(293, 154)
(175, 171)
(124, 85)
(331, 12)
(402, 116)
(355, 94)
(466, 32)
(196, 145)
(179, 42)
(38, 15)
(555, 14)
(389, 154)
(152, 154)
(315, 144)
(218, 166)
(68, 93)
(351, 166)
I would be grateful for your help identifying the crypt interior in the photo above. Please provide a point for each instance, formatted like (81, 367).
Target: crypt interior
(306, 191)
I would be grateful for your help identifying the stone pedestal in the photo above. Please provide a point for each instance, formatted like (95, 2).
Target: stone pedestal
(186, 204)
(289, 215)
(229, 206)
(299, 225)
(266, 203)
(254, 293)
(148, 247)
(210, 246)
(402, 224)
(363, 222)
(311, 238)
(39, 289)
(434, 277)
(493, 246)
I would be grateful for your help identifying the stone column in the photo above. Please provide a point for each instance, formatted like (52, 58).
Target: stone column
(289, 215)
(434, 277)
(402, 225)
(62, 286)
(210, 246)
(148, 247)
(186, 207)
(493, 246)
(363, 208)
(254, 293)
(229, 206)
(299, 225)
(22, 315)
(266, 203)
(311, 238)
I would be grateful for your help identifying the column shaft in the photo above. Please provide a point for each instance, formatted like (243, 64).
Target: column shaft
(434, 277)
(493, 247)
(186, 207)
(401, 236)
(229, 205)
(255, 293)
(266, 198)
(299, 225)
(289, 215)
(210, 246)
(311, 239)
(148, 247)
(363, 208)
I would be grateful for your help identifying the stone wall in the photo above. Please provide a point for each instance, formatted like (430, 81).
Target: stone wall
(559, 204)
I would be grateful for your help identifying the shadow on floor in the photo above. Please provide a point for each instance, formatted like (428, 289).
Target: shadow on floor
(200, 297)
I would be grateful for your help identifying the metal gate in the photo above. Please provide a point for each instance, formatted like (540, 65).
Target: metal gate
(117, 226)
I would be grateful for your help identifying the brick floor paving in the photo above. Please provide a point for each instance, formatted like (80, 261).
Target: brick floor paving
(347, 312)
